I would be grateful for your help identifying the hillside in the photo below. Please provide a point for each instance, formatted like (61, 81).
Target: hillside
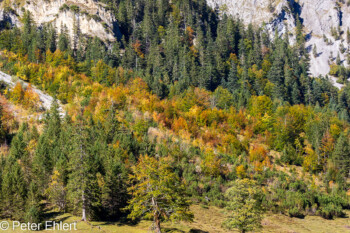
(326, 24)
(189, 114)
(75, 16)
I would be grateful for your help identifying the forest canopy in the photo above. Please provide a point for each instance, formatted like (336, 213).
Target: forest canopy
(210, 102)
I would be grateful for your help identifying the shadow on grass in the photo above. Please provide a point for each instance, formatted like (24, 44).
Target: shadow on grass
(197, 231)
(165, 229)
(51, 215)
(121, 222)
(61, 219)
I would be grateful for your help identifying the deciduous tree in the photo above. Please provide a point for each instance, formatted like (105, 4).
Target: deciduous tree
(243, 207)
(157, 192)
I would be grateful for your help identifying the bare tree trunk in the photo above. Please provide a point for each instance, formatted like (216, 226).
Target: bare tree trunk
(157, 223)
(83, 218)
(156, 216)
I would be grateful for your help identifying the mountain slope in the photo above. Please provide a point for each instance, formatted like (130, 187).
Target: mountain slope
(87, 17)
(210, 99)
(45, 99)
(323, 17)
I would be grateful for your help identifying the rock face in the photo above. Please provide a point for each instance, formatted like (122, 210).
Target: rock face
(319, 17)
(252, 11)
(89, 16)
(322, 20)
(45, 99)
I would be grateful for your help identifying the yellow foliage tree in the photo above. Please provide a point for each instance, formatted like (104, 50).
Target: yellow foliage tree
(17, 93)
(212, 164)
(31, 99)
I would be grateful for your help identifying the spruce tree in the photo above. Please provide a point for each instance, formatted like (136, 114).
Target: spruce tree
(82, 178)
(63, 39)
(232, 83)
(51, 39)
(341, 155)
(14, 190)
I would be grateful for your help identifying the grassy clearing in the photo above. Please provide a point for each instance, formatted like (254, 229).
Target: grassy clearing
(209, 219)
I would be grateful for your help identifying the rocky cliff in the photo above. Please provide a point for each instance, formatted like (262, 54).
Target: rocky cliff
(325, 21)
(90, 16)
(325, 24)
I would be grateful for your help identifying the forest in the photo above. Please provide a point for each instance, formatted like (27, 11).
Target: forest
(189, 106)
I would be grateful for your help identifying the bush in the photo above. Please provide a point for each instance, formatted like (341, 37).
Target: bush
(294, 204)
(64, 7)
(75, 8)
(330, 211)
(331, 206)
(295, 212)
(33, 215)
(290, 156)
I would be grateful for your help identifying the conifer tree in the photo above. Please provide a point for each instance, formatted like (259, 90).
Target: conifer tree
(28, 29)
(338, 61)
(82, 178)
(63, 39)
(51, 39)
(48, 148)
(341, 155)
(114, 193)
(14, 189)
(19, 144)
(232, 83)
(76, 33)
(33, 207)
(42, 162)
(295, 94)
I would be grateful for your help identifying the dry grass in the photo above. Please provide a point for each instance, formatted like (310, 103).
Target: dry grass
(281, 223)
(209, 219)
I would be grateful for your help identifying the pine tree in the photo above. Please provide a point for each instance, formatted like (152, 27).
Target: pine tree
(76, 34)
(63, 39)
(232, 83)
(341, 155)
(338, 61)
(19, 144)
(42, 162)
(28, 29)
(114, 190)
(82, 182)
(48, 149)
(276, 73)
(51, 40)
(33, 209)
(14, 189)
(296, 96)
(300, 36)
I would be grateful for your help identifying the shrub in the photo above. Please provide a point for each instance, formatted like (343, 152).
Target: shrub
(295, 212)
(290, 156)
(330, 211)
(331, 206)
